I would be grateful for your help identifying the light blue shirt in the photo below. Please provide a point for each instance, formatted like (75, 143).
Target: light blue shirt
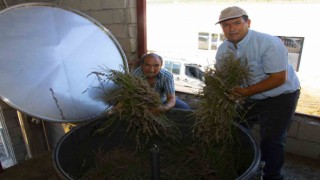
(265, 54)
(164, 83)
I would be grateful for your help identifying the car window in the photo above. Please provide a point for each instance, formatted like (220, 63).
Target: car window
(205, 38)
(173, 67)
(194, 72)
(176, 68)
(168, 66)
(214, 40)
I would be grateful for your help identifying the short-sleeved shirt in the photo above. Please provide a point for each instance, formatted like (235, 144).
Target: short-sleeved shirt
(264, 54)
(164, 82)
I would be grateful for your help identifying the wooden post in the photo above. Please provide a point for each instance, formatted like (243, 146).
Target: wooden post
(141, 27)
(33, 135)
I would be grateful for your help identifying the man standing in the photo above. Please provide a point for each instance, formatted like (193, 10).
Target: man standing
(274, 90)
(161, 80)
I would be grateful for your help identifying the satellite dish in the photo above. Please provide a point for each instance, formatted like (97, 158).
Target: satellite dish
(47, 53)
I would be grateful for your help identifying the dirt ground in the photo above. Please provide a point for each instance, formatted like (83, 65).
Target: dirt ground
(41, 168)
(37, 168)
(309, 102)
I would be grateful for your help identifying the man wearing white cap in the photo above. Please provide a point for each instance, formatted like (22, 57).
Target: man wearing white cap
(274, 89)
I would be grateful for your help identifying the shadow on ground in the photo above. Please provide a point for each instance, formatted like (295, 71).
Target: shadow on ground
(40, 167)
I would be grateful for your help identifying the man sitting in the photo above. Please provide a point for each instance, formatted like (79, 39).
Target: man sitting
(161, 80)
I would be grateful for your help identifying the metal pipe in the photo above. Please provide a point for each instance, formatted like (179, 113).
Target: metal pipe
(45, 131)
(155, 163)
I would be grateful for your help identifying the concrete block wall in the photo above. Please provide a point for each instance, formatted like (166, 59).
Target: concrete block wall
(303, 135)
(118, 16)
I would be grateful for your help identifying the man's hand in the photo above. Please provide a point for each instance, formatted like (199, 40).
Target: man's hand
(240, 92)
(160, 109)
(117, 108)
(272, 81)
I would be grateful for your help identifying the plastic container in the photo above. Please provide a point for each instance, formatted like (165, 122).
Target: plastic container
(75, 150)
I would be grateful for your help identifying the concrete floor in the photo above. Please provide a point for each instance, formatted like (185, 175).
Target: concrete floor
(295, 167)
(301, 168)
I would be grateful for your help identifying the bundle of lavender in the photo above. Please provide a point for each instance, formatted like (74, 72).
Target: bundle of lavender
(217, 108)
(133, 103)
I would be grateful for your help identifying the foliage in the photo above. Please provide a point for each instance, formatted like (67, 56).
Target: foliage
(218, 108)
(118, 163)
(134, 101)
(208, 149)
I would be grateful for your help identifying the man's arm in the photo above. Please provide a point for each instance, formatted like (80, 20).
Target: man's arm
(171, 102)
(274, 80)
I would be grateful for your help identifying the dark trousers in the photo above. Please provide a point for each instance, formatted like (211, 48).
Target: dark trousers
(181, 104)
(275, 116)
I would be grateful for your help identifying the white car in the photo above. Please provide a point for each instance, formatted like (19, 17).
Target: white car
(188, 77)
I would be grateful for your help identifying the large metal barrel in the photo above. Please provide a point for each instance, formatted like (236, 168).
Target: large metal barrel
(76, 150)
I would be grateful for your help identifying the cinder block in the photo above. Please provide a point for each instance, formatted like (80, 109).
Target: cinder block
(18, 148)
(21, 156)
(102, 16)
(12, 123)
(303, 148)
(132, 31)
(15, 131)
(133, 60)
(17, 140)
(118, 16)
(88, 13)
(294, 128)
(132, 57)
(131, 15)
(119, 31)
(4, 105)
(113, 4)
(134, 44)
(109, 16)
(132, 3)
(75, 4)
(309, 131)
(125, 44)
(128, 45)
(90, 5)
(10, 115)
